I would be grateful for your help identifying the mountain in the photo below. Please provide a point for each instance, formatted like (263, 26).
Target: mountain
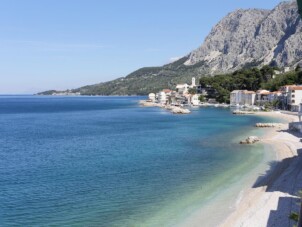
(253, 37)
(242, 39)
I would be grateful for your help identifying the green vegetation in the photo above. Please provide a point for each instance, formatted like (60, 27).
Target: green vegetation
(268, 106)
(294, 216)
(250, 79)
(153, 79)
(147, 80)
(50, 92)
(192, 91)
(201, 98)
(293, 77)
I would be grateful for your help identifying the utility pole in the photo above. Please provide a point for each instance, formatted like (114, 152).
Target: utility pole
(300, 213)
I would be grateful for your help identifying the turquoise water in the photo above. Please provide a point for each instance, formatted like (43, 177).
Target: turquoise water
(105, 161)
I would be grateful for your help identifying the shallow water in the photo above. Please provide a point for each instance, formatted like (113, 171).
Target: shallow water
(105, 161)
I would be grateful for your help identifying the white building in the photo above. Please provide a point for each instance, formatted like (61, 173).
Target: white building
(235, 98)
(152, 97)
(286, 69)
(285, 90)
(182, 88)
(195, 100)
(249, 97)
(162, 97)
(294, 98)
(193, 85)
(242, 97)
(262, 96)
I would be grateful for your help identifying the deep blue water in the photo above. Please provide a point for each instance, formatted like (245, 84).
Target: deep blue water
(105, 161)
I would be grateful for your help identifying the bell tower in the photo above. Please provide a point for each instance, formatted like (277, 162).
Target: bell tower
(193, 82)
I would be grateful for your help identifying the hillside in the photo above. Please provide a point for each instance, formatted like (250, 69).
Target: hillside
(242, 39)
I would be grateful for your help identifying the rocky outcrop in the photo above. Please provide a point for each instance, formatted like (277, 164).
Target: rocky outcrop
(149, 104)
(179, 110)
(172, 109)
(250, 140)
(253, 37)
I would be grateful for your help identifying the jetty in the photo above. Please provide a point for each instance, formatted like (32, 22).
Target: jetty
(241, 112)
(267, 125)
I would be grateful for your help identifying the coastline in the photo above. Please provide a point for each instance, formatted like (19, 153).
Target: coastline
(272, 197)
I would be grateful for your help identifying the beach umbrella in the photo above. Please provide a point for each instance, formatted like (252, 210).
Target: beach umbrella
(300, 6)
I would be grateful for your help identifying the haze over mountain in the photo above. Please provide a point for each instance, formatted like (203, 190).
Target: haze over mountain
(244, 38)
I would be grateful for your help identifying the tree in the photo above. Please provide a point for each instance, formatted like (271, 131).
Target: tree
(192, 91)
(201, 98)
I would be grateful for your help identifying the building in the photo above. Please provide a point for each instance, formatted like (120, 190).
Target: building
(284, 93)
(162, 98)
(273, 96)
(286, 69)
(152, 97)
(182, 88)
(262, 97)
(195, 100)
(294, 98)
(286, 96)
(167, 91)
(236, 98)
(193, 85)
(242, 97)
(249, 98)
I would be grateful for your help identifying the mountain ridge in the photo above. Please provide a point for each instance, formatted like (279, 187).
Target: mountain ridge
(244, 38)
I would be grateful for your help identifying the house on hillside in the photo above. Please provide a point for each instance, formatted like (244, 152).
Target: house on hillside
(182, 88)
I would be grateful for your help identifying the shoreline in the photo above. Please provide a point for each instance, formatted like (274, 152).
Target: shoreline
(273, 195)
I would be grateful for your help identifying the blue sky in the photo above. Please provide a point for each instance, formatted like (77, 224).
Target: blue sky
(60, 44)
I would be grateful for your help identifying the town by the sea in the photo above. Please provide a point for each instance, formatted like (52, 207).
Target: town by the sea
(106, 161)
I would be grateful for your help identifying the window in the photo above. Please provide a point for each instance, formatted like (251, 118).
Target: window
(293, 101)
(293, 96)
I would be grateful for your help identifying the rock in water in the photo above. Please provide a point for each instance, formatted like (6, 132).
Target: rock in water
(250, 140)
(178, 110)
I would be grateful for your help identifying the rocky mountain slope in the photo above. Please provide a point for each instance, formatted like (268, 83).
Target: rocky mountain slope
(253, 37)
(244, 38)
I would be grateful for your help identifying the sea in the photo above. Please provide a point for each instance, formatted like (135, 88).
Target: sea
(106, 161)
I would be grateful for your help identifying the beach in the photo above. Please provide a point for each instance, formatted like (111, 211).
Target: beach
(273, 196)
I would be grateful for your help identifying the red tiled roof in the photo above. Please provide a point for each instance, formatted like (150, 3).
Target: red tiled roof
(296, 88)
(249, 92)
